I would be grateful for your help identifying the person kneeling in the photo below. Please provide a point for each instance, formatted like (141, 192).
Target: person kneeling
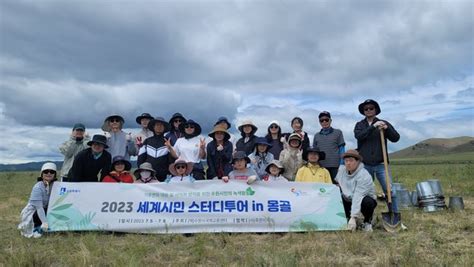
(358, 191)
(181, 171)
(312, 171)
(120, 173)
(241, 172)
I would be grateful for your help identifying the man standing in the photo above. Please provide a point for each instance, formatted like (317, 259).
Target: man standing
(76, 143)
(331, 142)
(89, 162)
(369, 145)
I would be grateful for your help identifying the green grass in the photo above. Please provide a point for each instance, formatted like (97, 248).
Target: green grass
(442, 238)
(456, 158)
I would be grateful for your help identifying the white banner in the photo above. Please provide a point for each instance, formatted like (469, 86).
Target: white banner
(202, 206)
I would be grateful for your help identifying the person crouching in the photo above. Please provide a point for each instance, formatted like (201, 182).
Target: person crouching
(120, 171)
(358, 191)
(241, 172)
(312, 171)
(181, 171)
(275, 170)
(33, 216)
(145, 174)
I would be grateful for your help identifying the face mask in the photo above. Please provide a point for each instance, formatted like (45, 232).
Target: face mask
(145, 174)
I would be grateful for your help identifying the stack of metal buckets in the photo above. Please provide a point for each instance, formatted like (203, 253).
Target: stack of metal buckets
(430, 195)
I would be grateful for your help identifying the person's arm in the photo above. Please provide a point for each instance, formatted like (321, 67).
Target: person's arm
(67, 148)
(362, 132)
(210, 172)
(107, 165)
(327, 177)
(131, 148)
(202, 148)
(342, 150)
(299, 175)
(77, 168)
(362, 188)
(391, 134)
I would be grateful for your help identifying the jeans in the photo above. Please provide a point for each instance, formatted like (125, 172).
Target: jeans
(379, 172)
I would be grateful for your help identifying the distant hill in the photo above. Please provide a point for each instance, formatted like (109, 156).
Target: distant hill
(35, 166)
(437, 147)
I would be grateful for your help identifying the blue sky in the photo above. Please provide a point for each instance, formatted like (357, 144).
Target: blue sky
(63, 62)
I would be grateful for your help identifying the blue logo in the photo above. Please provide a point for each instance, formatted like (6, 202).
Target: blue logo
(62, 191)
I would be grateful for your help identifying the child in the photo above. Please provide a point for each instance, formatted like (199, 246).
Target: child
(181, 171)
(241, 172)
(274, 170)
(261, 157)
(120, 172)
(38, 204)
(291, 156)
(312, 172)
(145, 174)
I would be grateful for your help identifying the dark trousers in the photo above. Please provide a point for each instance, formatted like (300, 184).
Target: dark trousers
(333, 173)
(367, 208)
(36, 219)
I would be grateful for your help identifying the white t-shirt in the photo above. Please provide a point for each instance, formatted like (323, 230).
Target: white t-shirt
(188, 149)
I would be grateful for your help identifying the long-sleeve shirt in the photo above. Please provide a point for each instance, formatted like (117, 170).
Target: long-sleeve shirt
(119, 146)
(330, 141)
(291, 159)
(155, 152)
(259, 163)
(219, 162)
(368, 140)
(355, 186)
(70, 149)
(313, 173)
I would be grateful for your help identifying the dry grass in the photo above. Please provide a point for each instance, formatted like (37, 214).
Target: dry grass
(439, 239)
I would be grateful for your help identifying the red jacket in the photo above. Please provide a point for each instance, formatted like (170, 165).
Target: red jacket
(115, 177)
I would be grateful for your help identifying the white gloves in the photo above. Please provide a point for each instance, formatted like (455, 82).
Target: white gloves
(251, 179)
(220, 147)
(107, 135)
(44, 227)
(352, 224)
(225, 179)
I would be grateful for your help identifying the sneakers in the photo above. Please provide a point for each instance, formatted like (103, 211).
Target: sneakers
(367, 227)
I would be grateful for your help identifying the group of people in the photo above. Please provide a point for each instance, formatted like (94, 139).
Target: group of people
(174, 151)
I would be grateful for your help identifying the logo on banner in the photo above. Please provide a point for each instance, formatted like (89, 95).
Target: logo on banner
(64, 190)
(298, 193)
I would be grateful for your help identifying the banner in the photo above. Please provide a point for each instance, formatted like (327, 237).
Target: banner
(202, 206)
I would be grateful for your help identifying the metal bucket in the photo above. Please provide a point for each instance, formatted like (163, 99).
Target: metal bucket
(424, 190)
(456, 203)
(436, 187)
(403, 199)
(414, 198)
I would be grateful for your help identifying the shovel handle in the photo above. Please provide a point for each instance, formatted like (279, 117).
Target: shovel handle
(385, 164)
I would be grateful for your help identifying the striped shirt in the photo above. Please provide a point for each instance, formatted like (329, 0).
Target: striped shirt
(329, 143)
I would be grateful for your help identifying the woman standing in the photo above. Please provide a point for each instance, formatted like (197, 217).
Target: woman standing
(175, 132)
(119, 142)
(219, 153)
(274, 139)
(247, 142)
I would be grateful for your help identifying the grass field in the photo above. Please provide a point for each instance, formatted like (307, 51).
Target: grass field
(439, 239)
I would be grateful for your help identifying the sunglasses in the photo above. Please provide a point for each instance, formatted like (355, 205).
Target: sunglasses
(189, 126)
(324, 120)
(274, 126)
(114, 120)
(369, 108)
(178, 121)
(49, 172)
(180, 167)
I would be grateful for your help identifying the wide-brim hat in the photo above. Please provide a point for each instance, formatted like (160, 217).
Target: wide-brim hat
(367, 102)
(295, 136)
(143, 116)
(352, 153)
(223, 119)
(151, 124)
(240, 155)
(175, 116)
(189, 167)
(250, 123)
(277, 163)
(145, 166)
(105, 125)
(219, 128)
(262, 141)
(197, 127)
(117, 159)
(321, 154)
(99, 139)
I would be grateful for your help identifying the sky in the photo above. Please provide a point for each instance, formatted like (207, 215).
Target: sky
(63, 62)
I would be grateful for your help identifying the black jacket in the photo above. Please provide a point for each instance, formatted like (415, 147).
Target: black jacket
(246, 147)
(85, 168)
(155, 152)
(219, 158)
(368, 141)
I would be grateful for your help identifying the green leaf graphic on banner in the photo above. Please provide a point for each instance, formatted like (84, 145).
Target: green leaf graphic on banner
(63, 207)
(59, 200)
(250, 192)
(60, 217)
(342, 214)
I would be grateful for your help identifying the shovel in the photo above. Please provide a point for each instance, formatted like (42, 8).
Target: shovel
(391, 220)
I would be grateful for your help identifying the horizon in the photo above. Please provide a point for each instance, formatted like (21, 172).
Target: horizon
(68, 62)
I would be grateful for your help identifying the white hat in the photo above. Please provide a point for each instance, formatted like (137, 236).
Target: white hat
(48, 166)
